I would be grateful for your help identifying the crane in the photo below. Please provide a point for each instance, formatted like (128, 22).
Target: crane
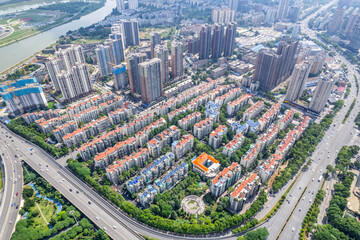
(16, 98)
(46, 78)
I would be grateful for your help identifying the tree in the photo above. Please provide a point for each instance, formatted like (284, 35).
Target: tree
(258, 234)
(101, 235)
(28, 192)
(29, 203)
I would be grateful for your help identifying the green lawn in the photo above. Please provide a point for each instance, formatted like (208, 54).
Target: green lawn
(17, 35)
(48, 209)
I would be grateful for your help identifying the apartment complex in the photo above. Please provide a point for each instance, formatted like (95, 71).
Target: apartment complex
(225, 179)
(247, 189)
(181, 147)
(203, 128)
(216, 136)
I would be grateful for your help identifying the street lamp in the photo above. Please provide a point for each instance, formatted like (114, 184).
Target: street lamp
(72, 213)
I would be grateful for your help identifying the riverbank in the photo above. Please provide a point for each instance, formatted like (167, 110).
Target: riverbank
(23, 50)
(58, 14)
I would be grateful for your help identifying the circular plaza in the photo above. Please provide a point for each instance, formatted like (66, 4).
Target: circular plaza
(193, 205)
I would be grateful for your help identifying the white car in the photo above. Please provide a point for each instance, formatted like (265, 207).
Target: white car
(114, 227)
(97, 218)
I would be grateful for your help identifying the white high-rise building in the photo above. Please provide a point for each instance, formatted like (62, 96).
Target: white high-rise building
(103, 56)
(321, 94)
(297, 81)
(161, 52)
(65, 60)
(222, 15)
(76, 82)
(120, 5)
(177, 64)
(151, 85)
(71, 55)
(54, 67)
(129, 30)
(283, 9)
(133, 4)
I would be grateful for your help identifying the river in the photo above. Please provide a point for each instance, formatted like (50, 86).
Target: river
(14, 53)
(7, 10)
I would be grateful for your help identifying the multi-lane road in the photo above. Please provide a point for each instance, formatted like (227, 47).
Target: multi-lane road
(85, 199)
(13, 184)
(285, 224)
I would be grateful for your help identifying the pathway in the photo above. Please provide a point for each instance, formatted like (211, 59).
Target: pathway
(47, 223)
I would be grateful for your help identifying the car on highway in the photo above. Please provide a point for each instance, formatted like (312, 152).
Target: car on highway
(97, 218)
(114, 227)
(70, 190)
(17, 194)
(105, 228)
(89, 202)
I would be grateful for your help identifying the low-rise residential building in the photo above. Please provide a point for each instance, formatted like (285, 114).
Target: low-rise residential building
(197, 102)
(268, 137)
(120, 150)
(239, 128)
(166, 182)
(233, 145)
(147, 197)
(212, 111)
(171, 115)
(88, 103)
(247, 189)
(172, 177)
(61, 131)
(100, 144)
(227, 97)
(207, 166)
(46, 126)
(183, 146)
(151, 172)
(225, 179)
(249, 158)
(143, 135)
(120, 114)
(268, 168)
(189, 120)
(234, 106)
(253, 111)
(32, 117)
(87, 115)
(138, 158)
(218, 91)
(111, 105)
(203, 128)
(216, 136)
(286, 119)
(269, 116)
(84, 133)
(138, 124)
(163, 139)
(291, 137)
(287, 143)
